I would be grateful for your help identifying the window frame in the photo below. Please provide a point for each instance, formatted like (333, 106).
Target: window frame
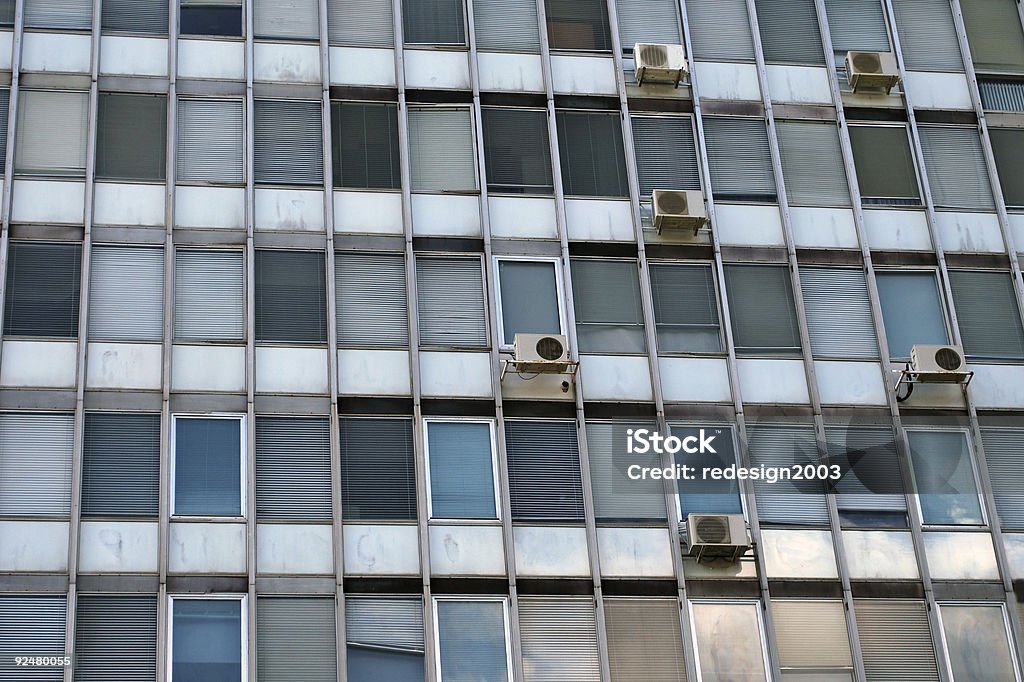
(940, 293)
(641, 325)
(242, 598)
(740, 493)
(986, 522)
(717, 280)
(243, 454)
(499, 319)
(1007, 630)
(532, 190)
(470, 598)
(474, 129)
(765, 660)
(886, 202)
(496, 484)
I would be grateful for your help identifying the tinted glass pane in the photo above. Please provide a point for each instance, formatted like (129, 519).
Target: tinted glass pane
(885, 166)
(131, 139)
(365, 145)
(707, 496)
(207, 640)
(472, 641)
(578, 25)
(591, 154)
(911, 310)
(210, 21)
(373, 665)
(461, 470)
(516, 151)
(529, 298)
(729, 642)
(434, 22)
(207, 467)
(976, 642)
(944, 478)
(43, 284)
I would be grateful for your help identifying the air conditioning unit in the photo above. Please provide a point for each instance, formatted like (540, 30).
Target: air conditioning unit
(541, 353)
(679, 210)
(872, 71)
(716, 536)
(656, 63)
(939, 364)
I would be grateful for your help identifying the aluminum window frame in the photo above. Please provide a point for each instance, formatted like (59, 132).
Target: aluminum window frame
(640, 326)
(475, 127)
(765, 658)
(242, 598)
(556, 263)
(498, 515)
(1008, 630)
(939, 293)
(243, 456)
(986, 522)
(717, 276)
(436, 648)
(741, 493)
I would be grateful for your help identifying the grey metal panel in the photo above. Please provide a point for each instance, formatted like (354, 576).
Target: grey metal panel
(955, 162)
(288, 147)
(287, 19)
(441, 150)
(617, 498)
(994, 34)
(135, 16)
(1004, 452)
(360, 22)
(666, 156)
(812, 162)
(787, 503)
(115, 638)
(295, 639)
(210, 143)
(857, 25)
(720, 30)
(126, 293)
(51, 138)
(121, 464)
(838, 313)
(545, 482)
(451, 302)
(798, 623)
(1001, 95)
(789, 32)
(648, 21)
(209, 294)
(65, 14)
(644, 640)
(988, 315)
(739, 158)
(371, 300)
(559, 639)
(31, 626)
(35, 464)
(875, 459)
(385, 622)
(927, 35)
(895, 640)
(42, 293)
(293, 468)
(378, 474)
(506, 25)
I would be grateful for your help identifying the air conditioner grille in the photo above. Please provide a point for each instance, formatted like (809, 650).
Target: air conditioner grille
(672, 202)
(549, 348)
(867, 62)
(655, 56)
(947, 359)
(713, 530)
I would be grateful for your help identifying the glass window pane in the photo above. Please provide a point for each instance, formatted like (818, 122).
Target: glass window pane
(210, 20)
(707, 496)
(976, 642)
(885, 166)
(207, 467)
(685, 308)
(729, 642)
(131, 137)
(944, 478)
(911, 310)
(578, 25)
(365, 145)
(471, 639)
(461, 470)
(606, 295)
(207, 640)
(529, 298)
(437, 22)
(591, 154)
(516, 150)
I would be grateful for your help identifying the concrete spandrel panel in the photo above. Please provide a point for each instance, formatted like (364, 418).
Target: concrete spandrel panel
(969, 232)
(773, 381)
(799, 84)
(437, 69)
(6, 45)
(616, 378)
(695, 379)
(125, 204)
(381, 550)
(451, 375)
(133, 56)
(294, 549)
(522, 217)
(290, 210)
(551, 552)
(998, 386)
(850, 383)
(635, 552)
(446, 215)
(118, 547)
(749, 225)
(208, 368)
(124, 365)
(960, 556)
(895, 230)
(362, 66)
(600, 220)
(374, 372)
(291, 370)
(34, 546)
(503, 71)
(467, 551)
(578, 75)
(56, 52)
(880, 555)
(38, 364)
(799, 554)
(44, 201)
(286, 63)
(721, 80)
(206, 548)
(217, 59)
(938, 90)
(209, 207)
(367, 212)
(823, 228)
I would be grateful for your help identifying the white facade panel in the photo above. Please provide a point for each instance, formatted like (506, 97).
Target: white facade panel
(892, 230)
(823, 228)
(579, 75)
(880, 555)
(56, 52)
(961, 556)
(206, 548)
(209, 207)
(445, 215)
(1017, 231)
(467, 550)
(537, 387)
(218, 59)
(1015, 554)
(45, 201)
(294, 549)
(600, 220)
(799, 554)
(998, 386)
(125, 204)
(449, 375)
(381, 550)
(505, 71)
(437, 69)
(969, 232)
(522, 217)
(748, 225)
(124, 365)
(208, 368)
(374, 372)
(286, 63)
(616, 377)
(368, 212)
(773, 381)
(292, 210)
(118, 547)
(850, 383)
(801, 84)
(938, 90)
(362, 66)
(291, 370)
(133, 56)
(720, 80)
(635, 552)
(551, 552)
(38, 364)
(695, 380)
(6, 49)
(36, 546)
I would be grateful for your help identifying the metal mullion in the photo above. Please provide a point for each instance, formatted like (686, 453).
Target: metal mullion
(8, 180)
(250, 339)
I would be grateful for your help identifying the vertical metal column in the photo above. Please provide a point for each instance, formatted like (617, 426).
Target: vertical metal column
(8, 179)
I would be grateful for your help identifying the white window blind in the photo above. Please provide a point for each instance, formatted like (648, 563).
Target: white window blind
(126, 293)
(506, 25)
(295, 639)
(371, 300)
(644, 640)
(955, 163)
(210, 140)
(1004, 450)
(559, 639)
(51, 135)
(43, 282)
(441, 150)
(451, 302)
(783, 445)
(135, 16)
(61, 14)
(209, 296)
(32, 625)
(616, 497)
(812, 164)
(293, 468)
(121, 464)
(720, 30)
(927, 35)
(857, 25)
(762, 310)
(789, 32)
(287, 19)
(838, 312)
(609, 317)
(385, 638)
(648, 21)
(289, 143)
(739, 159)
(360, 22)
(798, 622)
(35, 464)
(544, 476)
(685, 308)
(895, 640)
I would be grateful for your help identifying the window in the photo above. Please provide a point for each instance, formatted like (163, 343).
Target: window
(729, 641)
(647, 21)
(207, 640)
(578, 25)
(707, 496)
(289, 20)
(506, 26)
(987, 312)
(208, 464)
(907, 657)
(33, 623)
(43, 284)
(364, 141)
(871, 492)
(6, 12)
(720, 30)
(35, 464)
(685, 308)
(762, 310)
(976, 641)
(798, 622)
(812, 164)
(591, 154)
(293, 468)
(51, 135)
(559, 638)
(618, 498)
(885, 166)
(995, 35)
(291, 302)
(135, 16)
(1004, 450)
(911, 309)
(131, 139)
(791, 503)
(451, 302)
(461, 469)
(360, 22)
(289, 143)
(433, 22)
(739, 159)
(471, 640)
(121, 464)
(441, 152)
(209, 296)
(59, 14)
(927, 35)
(544, 479)
(857, 25)
(606, 296)
(944, 479)
(115, 637)
(378, 469)
(126, 293)
(210, 18)
(838, 310)
(956, 168)
(385, 639)
(5, 106)
(370, 298)
(295, 638)
(666, 157)
(644, 640)
(516, 151)
(1008, 149)
(1001, 94)
(210, 141)
(789, 32)
(529, 298)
